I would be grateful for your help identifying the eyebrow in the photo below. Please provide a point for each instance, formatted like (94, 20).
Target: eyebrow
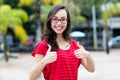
(61, 17)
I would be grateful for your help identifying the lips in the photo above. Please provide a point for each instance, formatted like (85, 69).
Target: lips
(59, 28)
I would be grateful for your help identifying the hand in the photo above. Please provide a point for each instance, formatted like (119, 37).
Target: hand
(50, 56)
(81, 52)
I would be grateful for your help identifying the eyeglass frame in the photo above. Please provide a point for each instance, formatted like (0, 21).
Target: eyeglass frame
(59, 20)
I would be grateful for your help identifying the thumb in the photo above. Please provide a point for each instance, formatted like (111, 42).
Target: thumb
(79, 45)
(49, 48)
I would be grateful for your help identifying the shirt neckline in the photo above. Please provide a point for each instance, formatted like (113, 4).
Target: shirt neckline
(67, 48)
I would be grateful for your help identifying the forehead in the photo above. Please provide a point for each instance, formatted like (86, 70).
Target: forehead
(61, 13)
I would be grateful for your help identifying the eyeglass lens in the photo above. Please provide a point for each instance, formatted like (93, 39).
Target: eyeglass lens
(63, 20)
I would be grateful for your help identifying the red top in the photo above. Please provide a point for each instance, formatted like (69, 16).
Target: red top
(66, 65)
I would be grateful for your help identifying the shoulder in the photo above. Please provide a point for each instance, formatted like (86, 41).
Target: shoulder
(72, 41)
(73, 44)
(44, 42)
(41, 44)
(40, 48)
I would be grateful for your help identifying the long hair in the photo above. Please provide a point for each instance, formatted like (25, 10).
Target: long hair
(49, 34)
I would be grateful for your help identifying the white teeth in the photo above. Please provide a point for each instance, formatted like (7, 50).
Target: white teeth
(58, 28)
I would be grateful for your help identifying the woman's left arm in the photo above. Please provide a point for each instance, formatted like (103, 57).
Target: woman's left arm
(85, 56)
(88, 62)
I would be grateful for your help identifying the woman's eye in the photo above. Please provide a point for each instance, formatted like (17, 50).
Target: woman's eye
(63, 19)
(55, 19)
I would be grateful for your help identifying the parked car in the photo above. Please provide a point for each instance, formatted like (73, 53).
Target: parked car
(114, 42)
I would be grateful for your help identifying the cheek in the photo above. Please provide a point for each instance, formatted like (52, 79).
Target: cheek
(52, 26)
(65, 26)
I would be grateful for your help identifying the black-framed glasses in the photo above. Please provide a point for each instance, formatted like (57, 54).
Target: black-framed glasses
(56, 20)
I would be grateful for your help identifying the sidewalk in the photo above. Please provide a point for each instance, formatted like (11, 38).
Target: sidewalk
(16, 68)
(107, 67)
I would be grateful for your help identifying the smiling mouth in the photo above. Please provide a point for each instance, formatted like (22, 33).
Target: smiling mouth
(59, 28)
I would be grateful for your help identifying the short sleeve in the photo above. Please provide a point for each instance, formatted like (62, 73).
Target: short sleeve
(74, 44)
(40, 48)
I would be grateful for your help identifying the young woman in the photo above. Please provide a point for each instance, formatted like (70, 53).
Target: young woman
(57, 55)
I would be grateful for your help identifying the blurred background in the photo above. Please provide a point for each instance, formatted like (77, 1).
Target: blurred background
(95, 24)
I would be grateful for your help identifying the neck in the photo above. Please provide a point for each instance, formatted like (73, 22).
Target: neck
(63, 44)
(60, 38)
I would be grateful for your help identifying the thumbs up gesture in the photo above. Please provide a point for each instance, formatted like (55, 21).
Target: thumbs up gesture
(81, 52)
(50, 56)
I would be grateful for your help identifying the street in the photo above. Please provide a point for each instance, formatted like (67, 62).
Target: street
(107, 67)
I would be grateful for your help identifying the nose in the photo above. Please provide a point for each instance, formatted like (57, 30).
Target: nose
(59, 22)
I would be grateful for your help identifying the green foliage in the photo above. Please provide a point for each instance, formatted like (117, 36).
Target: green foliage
(75, 11)
(12, 3)
(44, 12)
(5, 12)
(10, 18)
(1, 2)
(20, 33)
(86, 5)
(109, 12)
(21, 14)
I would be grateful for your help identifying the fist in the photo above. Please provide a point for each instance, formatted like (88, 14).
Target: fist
(50, 56)
(81, 52)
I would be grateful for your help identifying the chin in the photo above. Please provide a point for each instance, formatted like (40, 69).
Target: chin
(59, 32)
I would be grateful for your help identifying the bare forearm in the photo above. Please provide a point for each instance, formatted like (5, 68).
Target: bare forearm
(37, 69)
(90, 64)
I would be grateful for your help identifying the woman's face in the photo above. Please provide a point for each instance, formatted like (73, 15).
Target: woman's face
(59, 21)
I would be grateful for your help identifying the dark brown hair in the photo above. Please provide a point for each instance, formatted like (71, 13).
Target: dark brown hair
(49, 34)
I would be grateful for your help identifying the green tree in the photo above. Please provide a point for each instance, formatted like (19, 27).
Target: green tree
(85, 6)
(12, 18)
(74, 12)
(112, 10)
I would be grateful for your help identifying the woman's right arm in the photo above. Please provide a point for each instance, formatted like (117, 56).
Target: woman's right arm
(39, 64)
